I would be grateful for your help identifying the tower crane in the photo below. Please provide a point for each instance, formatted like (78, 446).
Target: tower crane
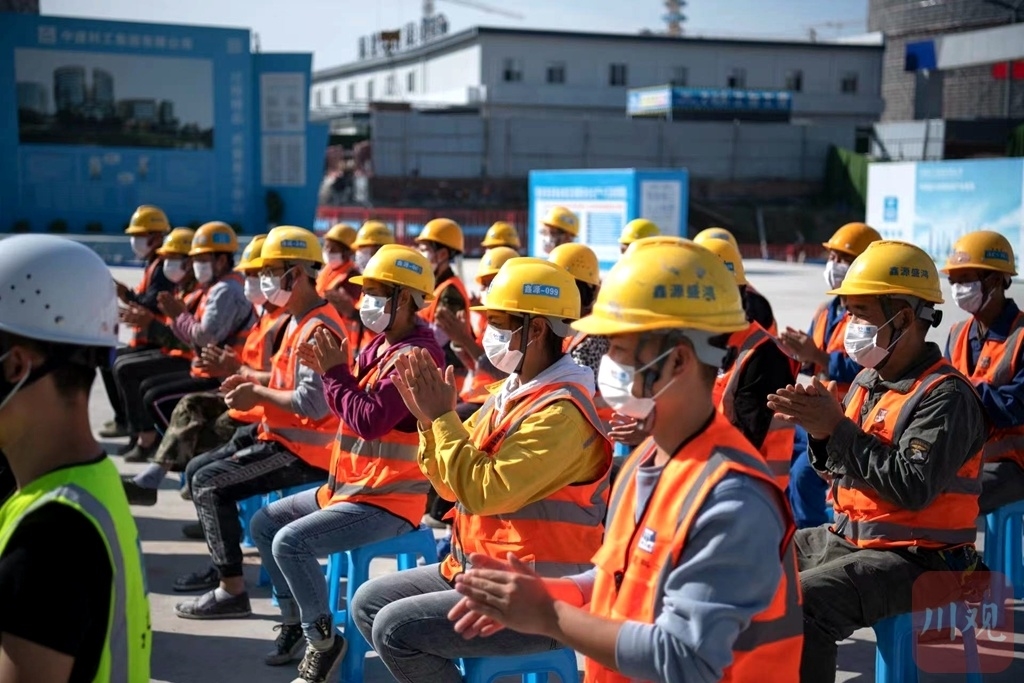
(428, 8)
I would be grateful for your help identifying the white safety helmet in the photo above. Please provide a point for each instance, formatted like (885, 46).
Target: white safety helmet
(56, 290)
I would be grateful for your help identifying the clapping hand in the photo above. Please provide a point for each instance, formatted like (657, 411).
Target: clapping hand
(170, 305)
(324, 352)
(427, 394)
(815, 407)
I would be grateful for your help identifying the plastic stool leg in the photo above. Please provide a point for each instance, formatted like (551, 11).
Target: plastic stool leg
(355, 656)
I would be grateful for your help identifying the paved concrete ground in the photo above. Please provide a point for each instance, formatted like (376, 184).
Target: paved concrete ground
(201, 652)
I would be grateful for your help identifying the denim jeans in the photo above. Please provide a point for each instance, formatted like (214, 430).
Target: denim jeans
(292, 532)
(405, 617)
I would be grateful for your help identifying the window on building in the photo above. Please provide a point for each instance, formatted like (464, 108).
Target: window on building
(556, 72)
(410, 81)
(737, 78)
(680, 77)
(849, 82)
(795, 80)
(618, 74)
(390, 85)
(335, 94)
(319, 99)
(351, 92)
(369, 90)
(512, 70)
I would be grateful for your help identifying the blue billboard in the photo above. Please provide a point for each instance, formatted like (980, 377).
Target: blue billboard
(100, 117)
(664, 100)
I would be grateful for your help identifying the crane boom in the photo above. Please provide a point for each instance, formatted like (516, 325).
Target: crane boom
(428, 7)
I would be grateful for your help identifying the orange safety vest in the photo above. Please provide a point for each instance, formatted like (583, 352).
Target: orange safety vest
(637, 557)
(833, 343)
(307, 438)
(558, 534)
(384, 472)
(777, 448)
(258, 354)
(191, 300)
(236, 340)
(430, 311)
(996, 366)
(332, 277)
(138, 337)
(866, 518)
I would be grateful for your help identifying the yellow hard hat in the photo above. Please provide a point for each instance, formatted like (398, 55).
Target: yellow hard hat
(445, 232)
(251, 254)
(177, 243)
(563, 219)
(214, 238)
(501, 234)
(717, 234)
(852, 239)
(983, 249)
(291, 243)
(342, 232)
(891, 267)
(656, 241)
(493, 260)
(373, 234)
(729, 254)
(638, 228)
(679, 285)
(535, 287)
(397, 264)
(580, 260)
(148, 219)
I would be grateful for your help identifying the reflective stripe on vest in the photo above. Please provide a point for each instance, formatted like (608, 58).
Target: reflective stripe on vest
(867, 519)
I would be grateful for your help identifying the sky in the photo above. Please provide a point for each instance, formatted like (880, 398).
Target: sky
(331, 28)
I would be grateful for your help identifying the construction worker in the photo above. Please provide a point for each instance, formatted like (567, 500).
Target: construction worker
(441, 242)
(529, 472)
(754, 303)
(223, 316)
(371, 237)
(146, 230)
(989, 349)
(501, 234)
(290, 446)
(334, 281)
(201, 421)
(904, 455)
(67, 537)
(695, 579)
(822, 353)
(559, 226)
(758, 368)
(637, 229)
(376, 490)
(581, 262)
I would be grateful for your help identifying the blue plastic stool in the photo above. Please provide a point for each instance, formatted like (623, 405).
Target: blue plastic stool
(356, 564)
(894, 650)
(1004, 529)
(246, 509)
(531, 668)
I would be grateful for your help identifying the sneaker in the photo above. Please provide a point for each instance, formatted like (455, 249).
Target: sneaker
(204, 580)
(137, 495)
(112, 430)
(320, 666)
(194, 531)
(139, 453)
(208, 606)
(288, 646)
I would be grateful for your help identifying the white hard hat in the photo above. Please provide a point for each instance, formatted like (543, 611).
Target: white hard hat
(56, 290)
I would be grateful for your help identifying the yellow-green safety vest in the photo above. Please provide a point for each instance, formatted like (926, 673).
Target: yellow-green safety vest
(95, 490)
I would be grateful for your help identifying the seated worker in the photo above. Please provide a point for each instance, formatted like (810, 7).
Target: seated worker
(291, 444)
(758, 369)
(202, 421)
(695, 579)
(371, 237)
(989, 349)
(146, 231)
(528, 472)
(376, 490)
(581, 262)
(501, 234)
(905, 459)
(558, 226)
(334, 282)
(223, 316)
(67, 537)
(823, 354)
(637, 229)
(757, 307)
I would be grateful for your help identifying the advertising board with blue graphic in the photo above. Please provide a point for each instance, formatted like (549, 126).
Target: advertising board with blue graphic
(932, 204)
(605, 200)
(99, 117)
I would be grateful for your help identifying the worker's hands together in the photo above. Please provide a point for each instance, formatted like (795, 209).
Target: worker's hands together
(136, 315)
(170, 305)
(454, 325)
(218, 362)
(324, 352)
(627, 430)
(243, 396)
(801, 346)
(815, 407)
(122, 290)
(499, 594)
(232, 382)
(427, 393)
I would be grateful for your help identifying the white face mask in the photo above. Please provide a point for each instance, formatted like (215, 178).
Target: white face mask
(547, 243)
(861, 343)
(174, 270)
(332, 258)
(253, 292)
(270, 285)
(835, 273)
(615, 382)
(969, 296)
(372, 313)
(140, 246)
(496, 346)
(203, 271)
(362, 258)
